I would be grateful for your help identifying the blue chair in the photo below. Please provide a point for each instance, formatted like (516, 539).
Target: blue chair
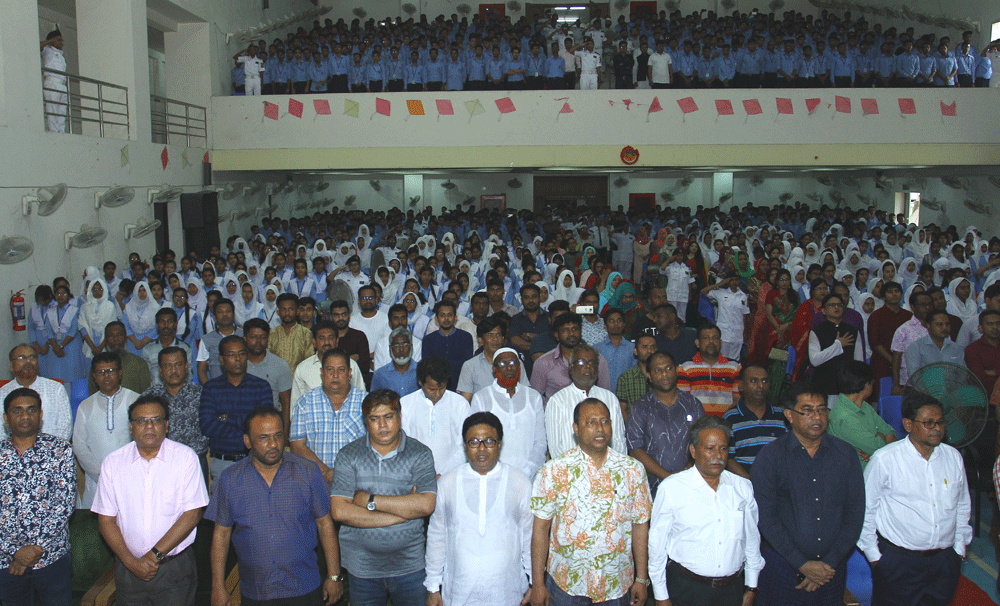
(892, 411)
(790, 368)
(79, 391)
(859, 578)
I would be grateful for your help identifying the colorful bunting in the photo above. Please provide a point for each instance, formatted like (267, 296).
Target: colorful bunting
(474, 107)
(321, 107)
(843, 104)
(124, 159)
(566, 109)
(686, 104)
(784, 105)
(752, 107)
(184, 159)
(205, 158)
(445, 107)
(906, 106)
(415, 107)
(949, 110)
(295, 108)
(351, 108)
(164, 157)
(382, 106)
(869, 106)
(724, 107)
(812, 104)
(505, 105)
(270, 110)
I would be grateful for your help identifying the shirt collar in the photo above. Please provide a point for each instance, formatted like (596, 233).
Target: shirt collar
(697, 360)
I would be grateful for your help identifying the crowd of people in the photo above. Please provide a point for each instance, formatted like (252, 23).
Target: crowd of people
(581, 401)
(699, 50)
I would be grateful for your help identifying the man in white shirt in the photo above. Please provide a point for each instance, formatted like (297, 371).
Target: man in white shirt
(583, 370)
(253, 67)
(660, 67)
(479, 537)
(101, 425)
(917, 511)
(368, 319)
(434, 416)
(704, 546)
(589, 61)
(519, 408)
(731, 314)
(57, 418)
(307, 376)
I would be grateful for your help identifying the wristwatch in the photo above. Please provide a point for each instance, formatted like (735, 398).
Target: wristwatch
(371, 502)
(336, 578)
(750, 589)
(160, 556)
(645, 582)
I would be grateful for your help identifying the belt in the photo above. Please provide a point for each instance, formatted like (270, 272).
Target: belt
(714, 582)
(225, 457)
(926, 553)
(171, 557)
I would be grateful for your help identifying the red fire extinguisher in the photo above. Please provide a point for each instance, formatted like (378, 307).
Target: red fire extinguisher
(17, 311)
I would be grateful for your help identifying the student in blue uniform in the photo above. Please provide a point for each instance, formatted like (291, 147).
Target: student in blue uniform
(434, 71)
(413, 73)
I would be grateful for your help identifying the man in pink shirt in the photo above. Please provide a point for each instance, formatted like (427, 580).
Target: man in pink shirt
(150, 497)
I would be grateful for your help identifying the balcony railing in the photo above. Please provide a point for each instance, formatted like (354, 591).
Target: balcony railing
(84, 106)
(178, 123)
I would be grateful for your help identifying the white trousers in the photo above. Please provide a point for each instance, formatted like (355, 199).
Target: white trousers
(588, 81)
(56, 106)
(252, 85)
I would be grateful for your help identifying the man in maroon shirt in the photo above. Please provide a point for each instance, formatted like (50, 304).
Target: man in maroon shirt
(982, 356)
(882, 325)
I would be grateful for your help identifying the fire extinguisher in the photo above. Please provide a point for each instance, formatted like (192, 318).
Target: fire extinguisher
(17, 311)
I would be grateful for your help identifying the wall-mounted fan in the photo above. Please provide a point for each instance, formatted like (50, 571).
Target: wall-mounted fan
(320, 186)
(684, 184)
(463, 9)
(816, 197)
(666, 196)
(253, 190)
(48, 199)
(933, 203)
(725, 198)
(621, 4)
(620, 182)
(955, 183)
(851, 181)
(514, 6)
(414, 200)
(165, 194)
(515, 183)
(776, 5)
(85, 238)
(289, 187)
(729, 4)
(882, 181)
(246, 213)
(309, 187)
(359, 12)
(349, 200)
(785, 197)
(328, 201)
(141, 228)
(301, 206)
(448, 185)
(469, 201)
(119, 195)
(376, 184)
(409, 9)
(837, 197)
(266, 210)
(827, 181)
(15, 249)
(230, 191)
(979, 207)
(277, 188)
(316, 204)
(756, 180)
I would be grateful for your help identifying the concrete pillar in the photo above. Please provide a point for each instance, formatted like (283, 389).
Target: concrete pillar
(188, 77)
(20, 64)
(113, 47)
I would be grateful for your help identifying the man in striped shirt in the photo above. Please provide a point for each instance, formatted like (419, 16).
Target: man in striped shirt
(710, 377)
(755, 421)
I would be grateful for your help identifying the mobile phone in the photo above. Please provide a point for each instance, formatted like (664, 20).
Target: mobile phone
(585, 310)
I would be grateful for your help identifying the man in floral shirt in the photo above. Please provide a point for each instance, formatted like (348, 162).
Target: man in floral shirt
(592, 509)
(38, 484)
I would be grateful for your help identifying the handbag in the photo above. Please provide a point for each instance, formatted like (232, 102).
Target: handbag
(778, 354)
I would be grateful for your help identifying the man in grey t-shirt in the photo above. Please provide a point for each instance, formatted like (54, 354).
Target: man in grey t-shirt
(384, 484)
(268, 366)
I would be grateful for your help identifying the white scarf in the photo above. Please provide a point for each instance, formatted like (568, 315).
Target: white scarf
(141, 314)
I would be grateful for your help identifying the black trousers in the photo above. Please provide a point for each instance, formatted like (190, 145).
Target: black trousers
(685, 591)
(965, 80)
(394, 86)
(570, 80)
(374, 86)
(982, 82)
(842, 81)
(339, 83)
(435, 86)
(173, 585)
(905, 578)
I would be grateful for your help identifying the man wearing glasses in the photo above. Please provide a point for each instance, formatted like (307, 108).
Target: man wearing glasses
(225, 402)
(369, 319)
(101, 425)
(916, 526)
(810, 492)
(832, 344)
(149, 501)
(584, 367)
(479, 537)
(58, 419)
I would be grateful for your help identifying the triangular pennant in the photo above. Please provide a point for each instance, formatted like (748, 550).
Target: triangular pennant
(295, 107)
(205, 158)
(382, 106)
(784, 105)
(566, 109)
(321, 107)
(843, 104)
(184, 159)
(752, 107)
(869, 106)
(415, 107)
(445, 108)
(505, 105)
(351, 108)
(270, 110)
(628, 104)
(125, 156)
(906, 106)
(949, 110)
(724, 107)
(812, 104)
(655, 106)
(475, 107)
(164, 157)
(686, 104)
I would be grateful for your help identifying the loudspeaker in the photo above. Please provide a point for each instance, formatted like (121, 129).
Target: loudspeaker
(206, 173)
(199, 209)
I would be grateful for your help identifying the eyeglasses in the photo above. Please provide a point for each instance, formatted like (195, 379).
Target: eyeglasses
(940, 424)
(143, 421)
(369, 298)
(822, 411)
(506, 364)
(476, 443)
(104, 372)
(33, 357)
(583, 363)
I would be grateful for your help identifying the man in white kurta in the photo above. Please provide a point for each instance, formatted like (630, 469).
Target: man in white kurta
(479, 537)
(54, 88)
(519, 409)
(434, 416)
(101, 425)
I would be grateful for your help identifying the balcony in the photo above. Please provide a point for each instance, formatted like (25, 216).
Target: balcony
(178, 123)
(84, 106)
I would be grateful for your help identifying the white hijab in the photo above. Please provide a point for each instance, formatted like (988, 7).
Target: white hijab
(141, 314)
(98, 313)
(199, 300)
(967, 310)
(571, 293)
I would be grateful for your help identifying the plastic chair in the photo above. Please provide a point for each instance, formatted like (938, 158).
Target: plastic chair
(892, 411)
(79, 391)
(859, 578)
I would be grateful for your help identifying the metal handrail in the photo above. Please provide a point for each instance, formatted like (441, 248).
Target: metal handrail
(106, 106)
(171, 117)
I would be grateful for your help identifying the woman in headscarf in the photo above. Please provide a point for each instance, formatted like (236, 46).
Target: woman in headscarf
(140, 318)
(269, 306)
(745, 269)
(416, 316)
(962, 302)
(852, 259)
(586, 258)
(231, 287)
(812, 254)
(610, 284)
(63, 334)
(363, 244)
(908, 273)
(196, 295)
(803, 323)
(890, 243)
(766, 280)
(920, 246)
(957, 258)
(565, 288)
(887, 273)
(247, 307)
(95, 315)
(188, 320)
(779, 308)
(868, 304)
(37, 338)
(640, 250)
(544, 298)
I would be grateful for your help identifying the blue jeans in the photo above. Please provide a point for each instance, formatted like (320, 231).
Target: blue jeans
(53, 584)
(405, 590)
(558, 597)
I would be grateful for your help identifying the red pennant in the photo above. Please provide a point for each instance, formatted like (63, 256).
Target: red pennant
(382, 106)
(205, 158)
(322, 107)
(566, 109)
(724, 107)
(752, 107)
(949, 110)
(811, 104)
(785, 106)
(628, 103)
(295, 108)
(869, 106)
(843, 105)
(165, 157)
(686, 104)
(505, 105)
(906, 106)
(445, 107)
(270, 110)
